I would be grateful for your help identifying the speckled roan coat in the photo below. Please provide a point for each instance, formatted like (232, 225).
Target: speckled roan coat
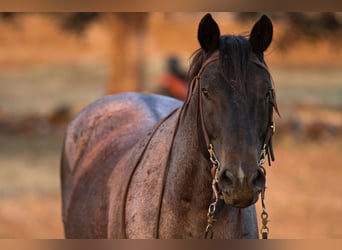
(135, 166)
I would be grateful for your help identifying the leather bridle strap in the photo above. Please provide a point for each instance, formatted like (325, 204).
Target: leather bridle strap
(197, 79)
(267, 148)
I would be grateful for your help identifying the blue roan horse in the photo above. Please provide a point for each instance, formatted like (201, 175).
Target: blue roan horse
(149, 166)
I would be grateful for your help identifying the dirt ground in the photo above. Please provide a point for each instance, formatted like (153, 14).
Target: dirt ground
(304, 190)
(44, 69)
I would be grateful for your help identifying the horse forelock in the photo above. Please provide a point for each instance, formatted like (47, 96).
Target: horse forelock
(235, 52)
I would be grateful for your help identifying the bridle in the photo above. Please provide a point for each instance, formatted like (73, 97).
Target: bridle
(266, 150)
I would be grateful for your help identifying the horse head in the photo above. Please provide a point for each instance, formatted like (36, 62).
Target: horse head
(236, 102)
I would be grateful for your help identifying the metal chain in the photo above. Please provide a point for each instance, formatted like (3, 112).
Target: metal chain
(264, 218)
(209, 231)
(264, 215)
(263, 155)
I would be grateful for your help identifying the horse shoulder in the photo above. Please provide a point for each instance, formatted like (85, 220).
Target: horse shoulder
(97, 138)
(117, 115)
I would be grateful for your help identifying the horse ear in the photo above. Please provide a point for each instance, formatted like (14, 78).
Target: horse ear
(261, 35)
(208, 34)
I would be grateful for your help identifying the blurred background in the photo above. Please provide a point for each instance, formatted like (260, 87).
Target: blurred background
(52, 65)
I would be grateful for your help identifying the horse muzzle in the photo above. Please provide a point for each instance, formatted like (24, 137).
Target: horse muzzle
(241, 191)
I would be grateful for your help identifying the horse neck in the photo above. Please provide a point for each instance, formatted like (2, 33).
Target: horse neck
(187, 190)
(188, 163)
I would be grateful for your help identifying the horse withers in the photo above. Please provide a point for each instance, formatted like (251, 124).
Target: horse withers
(149, 166)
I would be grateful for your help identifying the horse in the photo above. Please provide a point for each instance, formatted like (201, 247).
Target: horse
(146, 166)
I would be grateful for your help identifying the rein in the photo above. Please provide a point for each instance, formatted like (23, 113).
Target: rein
(266, 151)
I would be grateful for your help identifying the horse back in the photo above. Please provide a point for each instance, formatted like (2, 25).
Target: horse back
(101, 135)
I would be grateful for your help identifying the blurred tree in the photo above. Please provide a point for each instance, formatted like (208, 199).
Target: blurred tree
(315, 25)
(127, 30)
(7, 16)
(78, 22)
(128, 33)
(303, 25)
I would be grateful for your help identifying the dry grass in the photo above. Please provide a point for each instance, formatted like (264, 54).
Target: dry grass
(304, 190)
(31, 217)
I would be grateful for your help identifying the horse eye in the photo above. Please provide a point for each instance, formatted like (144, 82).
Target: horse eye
(205, 92)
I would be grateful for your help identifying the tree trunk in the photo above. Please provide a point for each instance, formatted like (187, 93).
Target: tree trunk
(127, 59)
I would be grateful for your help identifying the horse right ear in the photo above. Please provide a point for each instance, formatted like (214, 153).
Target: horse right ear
(208, 34)
(261, 34)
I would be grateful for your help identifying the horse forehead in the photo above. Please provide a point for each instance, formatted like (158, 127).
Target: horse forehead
(254, 67)
(211, 70)
(253, 78)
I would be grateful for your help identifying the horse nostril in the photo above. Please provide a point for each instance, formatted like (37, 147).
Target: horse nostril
(258, 179)
(227, 179)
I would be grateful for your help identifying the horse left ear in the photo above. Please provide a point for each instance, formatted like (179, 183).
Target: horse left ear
(208, 34)
(261, 35)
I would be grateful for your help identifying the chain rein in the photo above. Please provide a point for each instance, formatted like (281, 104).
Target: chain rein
(266, 151)
(209, 231)
(215, 170)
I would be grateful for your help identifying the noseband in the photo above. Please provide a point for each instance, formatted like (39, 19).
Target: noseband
(266, 150)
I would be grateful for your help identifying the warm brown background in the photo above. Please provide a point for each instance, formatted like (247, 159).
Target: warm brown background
(48, 74)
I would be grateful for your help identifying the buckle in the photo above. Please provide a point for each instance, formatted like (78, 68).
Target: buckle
(273, 127)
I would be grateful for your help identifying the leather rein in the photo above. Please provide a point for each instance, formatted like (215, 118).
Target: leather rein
(266, 150)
